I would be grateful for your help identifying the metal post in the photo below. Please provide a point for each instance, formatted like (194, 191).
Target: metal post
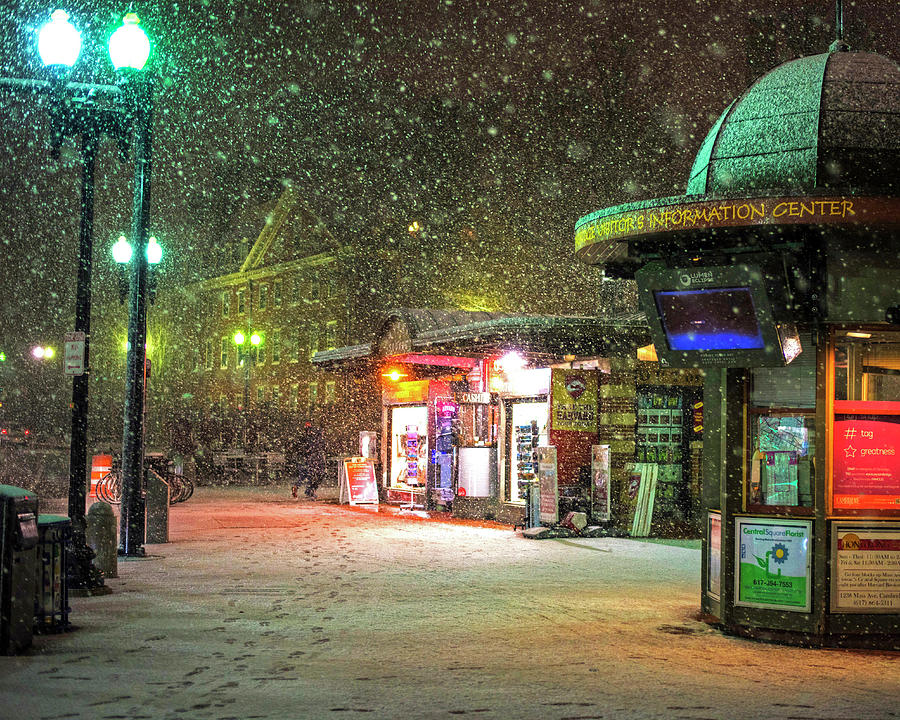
(81, 571)
(132, 527)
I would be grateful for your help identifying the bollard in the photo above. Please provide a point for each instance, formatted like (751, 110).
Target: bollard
(100, 535)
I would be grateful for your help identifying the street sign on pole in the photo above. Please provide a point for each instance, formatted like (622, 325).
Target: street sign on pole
(74, 353)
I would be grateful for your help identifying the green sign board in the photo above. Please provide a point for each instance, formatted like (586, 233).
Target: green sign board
(773, 563)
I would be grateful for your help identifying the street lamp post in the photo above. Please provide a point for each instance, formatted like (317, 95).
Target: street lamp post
(78, 109)
(131, 537)
(79, 114)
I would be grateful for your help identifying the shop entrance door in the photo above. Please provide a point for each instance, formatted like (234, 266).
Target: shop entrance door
(528, 422)
(409, 452)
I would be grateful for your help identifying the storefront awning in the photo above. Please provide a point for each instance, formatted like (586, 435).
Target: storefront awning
(405, 332)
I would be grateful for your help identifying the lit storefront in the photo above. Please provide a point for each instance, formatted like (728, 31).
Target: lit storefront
(468, 397)
(777, 274)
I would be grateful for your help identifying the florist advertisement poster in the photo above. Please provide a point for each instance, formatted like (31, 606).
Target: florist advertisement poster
(773, 563)
(866, 466)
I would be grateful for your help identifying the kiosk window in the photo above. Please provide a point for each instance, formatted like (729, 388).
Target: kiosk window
(782, 439)
(865, 475)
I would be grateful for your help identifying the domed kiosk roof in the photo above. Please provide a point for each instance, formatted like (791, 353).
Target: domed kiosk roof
(813, 143)
(824, 121)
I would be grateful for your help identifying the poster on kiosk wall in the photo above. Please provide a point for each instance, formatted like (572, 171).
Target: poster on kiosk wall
(865, 563)
(773, 563)
(866, 473)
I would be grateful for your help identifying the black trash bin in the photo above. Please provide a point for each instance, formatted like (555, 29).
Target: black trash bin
(18, 538)
(51, 597)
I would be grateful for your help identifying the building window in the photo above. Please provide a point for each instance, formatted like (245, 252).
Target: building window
(226, 303)
(195, 361)
(276, 396)
(330, 391)
(276, 347)
(223, 360)
(782, 427)
(315, 288)
(276, 293)
(313, 341)
(325, 287)
(295, 396)
(290, 345)
(260, 394)
(296, 290)
(209, 354)
(241, 301)
(331, 335)
(261, 354)
(313, 394)
(263, 296)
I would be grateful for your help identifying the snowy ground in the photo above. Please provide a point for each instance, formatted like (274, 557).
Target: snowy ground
(266, 607)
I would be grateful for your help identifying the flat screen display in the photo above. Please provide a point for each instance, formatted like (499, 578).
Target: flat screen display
(709, 319)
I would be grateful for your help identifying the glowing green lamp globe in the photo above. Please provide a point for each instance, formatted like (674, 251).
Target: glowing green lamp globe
(239, 338)
(121, 251)
(154, 251)
(59, 43)
(255, 339)
(129, 46)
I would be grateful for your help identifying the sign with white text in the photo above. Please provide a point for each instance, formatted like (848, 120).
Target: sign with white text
(866, 463)
(73, 354)
(358, 481)
(866, 568)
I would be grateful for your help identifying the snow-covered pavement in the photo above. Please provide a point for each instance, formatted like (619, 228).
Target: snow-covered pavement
(266, 607)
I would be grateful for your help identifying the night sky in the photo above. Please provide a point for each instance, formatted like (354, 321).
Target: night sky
(535, 113)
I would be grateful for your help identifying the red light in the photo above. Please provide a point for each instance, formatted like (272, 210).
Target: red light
(28, 432)
(3, 432)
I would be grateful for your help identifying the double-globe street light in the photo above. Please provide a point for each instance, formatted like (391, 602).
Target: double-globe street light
(75, 110)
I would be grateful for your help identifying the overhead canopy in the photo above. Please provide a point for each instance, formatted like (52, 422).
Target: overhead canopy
(407, 333)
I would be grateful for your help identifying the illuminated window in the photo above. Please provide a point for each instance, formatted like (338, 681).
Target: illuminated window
(241, 302)
(276, 396)
(260, 393)
(865, 474)
(263, 296)
(330, 391)
(783, 433)
(313, 394)
(226, 303)
(331, 329)
(294, 396)
(223, 359)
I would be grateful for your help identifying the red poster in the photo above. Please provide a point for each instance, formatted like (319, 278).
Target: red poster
(866, 467)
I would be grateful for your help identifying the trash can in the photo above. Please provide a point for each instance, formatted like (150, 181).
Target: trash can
(157, 498)
(51, 597)
(18, 539)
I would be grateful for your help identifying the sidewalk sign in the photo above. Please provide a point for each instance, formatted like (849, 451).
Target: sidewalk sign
(600, 499)
(357, 481)
(549, 482)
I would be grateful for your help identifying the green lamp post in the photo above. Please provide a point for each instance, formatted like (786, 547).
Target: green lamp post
(129, 51)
